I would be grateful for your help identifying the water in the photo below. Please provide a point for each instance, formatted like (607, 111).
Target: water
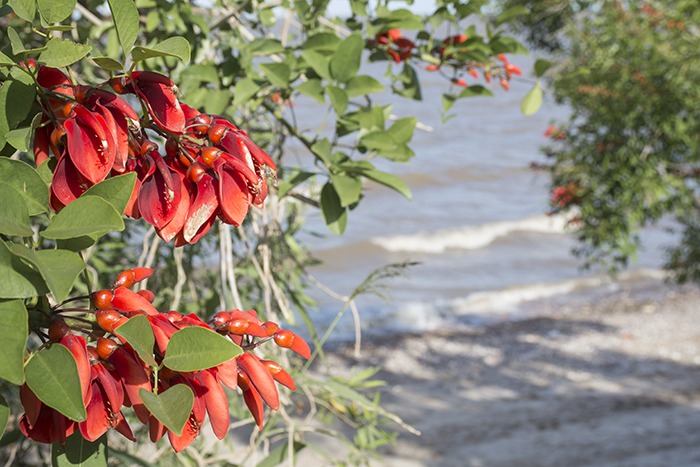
(477, 223)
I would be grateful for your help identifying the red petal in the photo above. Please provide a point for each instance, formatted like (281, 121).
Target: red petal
(202, 212)
(300, 346)
(158, 92)
(260, 378)
(227, 373)
(234, 197)
(98, 416)
(189, 433)
(255, 405)
(163, 330)
(127, 300)
(68, 183)
(114, 391)
(77, 347)
(32, 405)
(42, 137)
(48, 77)
(172, 228)
(90, 146)
(216, 403)
(160, 194)
(134, 377)
(122, 426)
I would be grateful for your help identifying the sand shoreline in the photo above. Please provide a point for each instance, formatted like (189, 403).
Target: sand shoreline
(614, 381)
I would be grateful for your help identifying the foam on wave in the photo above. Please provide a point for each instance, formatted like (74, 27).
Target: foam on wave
(470, 237)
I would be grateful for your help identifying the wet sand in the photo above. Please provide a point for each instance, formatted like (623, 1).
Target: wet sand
(615, 381)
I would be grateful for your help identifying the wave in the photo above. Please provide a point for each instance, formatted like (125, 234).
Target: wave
(509, 299)
(470, 237)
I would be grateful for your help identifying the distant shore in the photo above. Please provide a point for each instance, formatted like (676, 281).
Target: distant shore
(612, 381)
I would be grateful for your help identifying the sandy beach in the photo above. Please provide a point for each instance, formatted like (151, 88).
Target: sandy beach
(612, 381)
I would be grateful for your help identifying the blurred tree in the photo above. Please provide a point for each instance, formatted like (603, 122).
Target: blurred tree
(628, 155)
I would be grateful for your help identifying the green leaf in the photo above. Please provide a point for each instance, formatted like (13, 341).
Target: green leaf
(334, 214)
(290, 181)
(379, 141)
(172, 47)
(108, 63)
(61, 52)
(59, 268)
(541, 67)
(410, 84)
(196, 348)
(87, 215)
(171, 407)
(4, 414)
(20, 138)
(346, 60)
(14, 215)
(532, 100)
(126, 22)
(362, 85)
(277, 73)
(115, 190)
(263, 46)
(511, 13)
(5, 60)
(16, 99)
(25, 9)
(322, 149)
(138, 333)
(389, 180)
(15, 41)
(244, 89)
(17, 280)
(318, 62)
(55, 11)
(216, 101)
(26, 180)
(321, 42)
(13, 335)
(338, 98)
(314, 89)
(52, 374)
(476, 90)
(402, 129)
(349, 189)
(78, 451)
(280, 454)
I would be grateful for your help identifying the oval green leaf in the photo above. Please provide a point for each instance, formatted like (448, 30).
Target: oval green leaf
(26, 180)
(14, 215)
(78, 451)
(532, 101)
(389, 180)
(13, 335)
(115, 190)
(55, 11)
(362, 85)
(172, 47)
(171, 407)
(61, 52)
(334, 214)
(52, 374)
(59, 268)
(126, 22)
(347, 57)
(25, 9)
(87, 215)
(138, 333)
(197, 348)
(17, 280)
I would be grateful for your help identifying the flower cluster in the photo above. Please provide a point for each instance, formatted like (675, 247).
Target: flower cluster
(394, 45)
(112, 372)
(208, 167)
(450, 52)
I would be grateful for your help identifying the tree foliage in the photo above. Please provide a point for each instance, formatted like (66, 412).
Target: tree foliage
(628, 156)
